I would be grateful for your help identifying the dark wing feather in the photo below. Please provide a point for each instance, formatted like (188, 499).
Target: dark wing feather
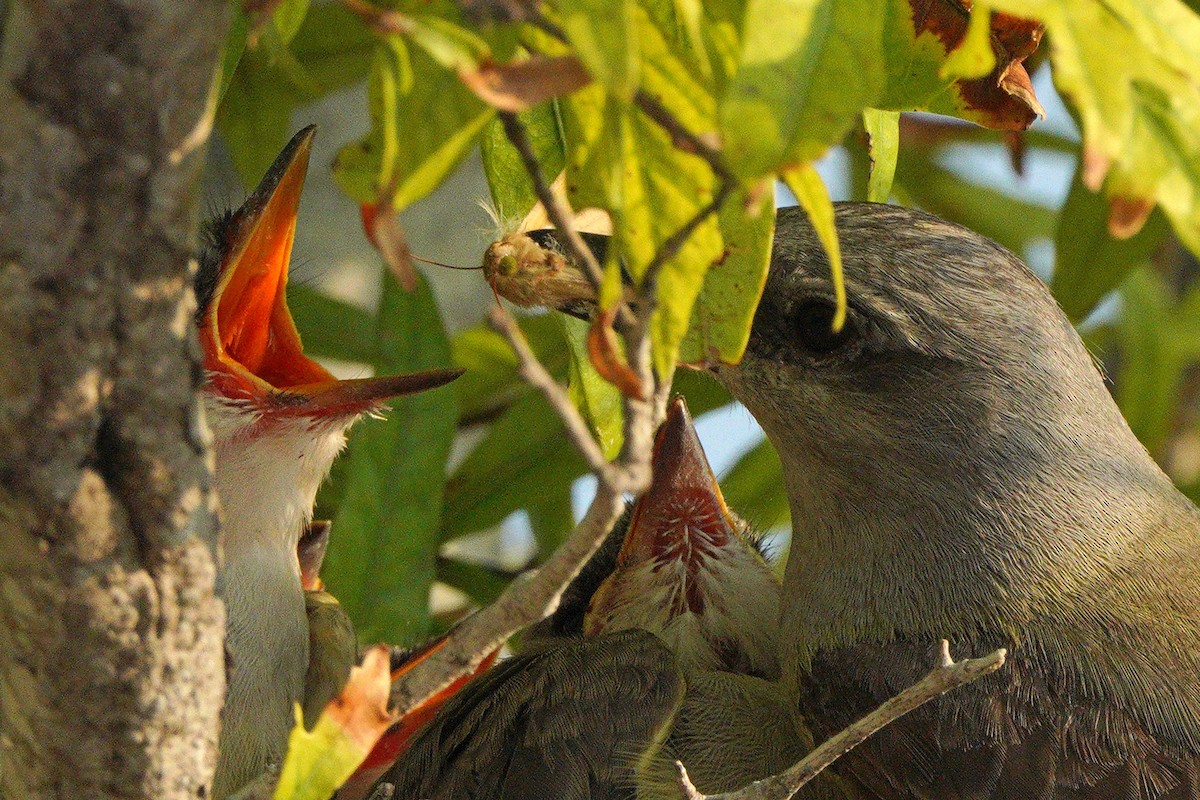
(568, 720)
(1023, 733)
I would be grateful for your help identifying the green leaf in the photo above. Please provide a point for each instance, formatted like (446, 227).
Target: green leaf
(524, 456)
(288, 17)
(720, 325)
(630, 167)
(254, 118)
(383, 552)
(1152, 375)
(1131, 72)
(512, 192)
(603, 35)
(447, 43)
(754, 488)
(330, 327)
(790, 99)
(806, 184)
(491, 382)
(334, 47)
(1089, 262)
(599, 401)
(416, 139)
(973, 58)
(235, 46)
(883, 132)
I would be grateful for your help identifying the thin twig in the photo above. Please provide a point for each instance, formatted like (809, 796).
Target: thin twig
(539, 378)
(948, 674)
(525, 601)
(671, 247)
(559, 214)
(652, 108)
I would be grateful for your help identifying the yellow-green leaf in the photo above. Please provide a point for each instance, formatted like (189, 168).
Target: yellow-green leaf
(319, 761)
(417, 138)
(603, 34)
(720, 325)
(883, 134)
(806, 184)
(1131, 71)
(600, 401)
(973, 58)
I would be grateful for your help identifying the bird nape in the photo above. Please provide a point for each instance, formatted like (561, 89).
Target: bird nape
(278, 420)
(663, 648)
(958, 469)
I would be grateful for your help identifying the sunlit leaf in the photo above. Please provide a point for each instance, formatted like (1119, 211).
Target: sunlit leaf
(809, 189)
(720, 325)
(382, 557)
(603, 34)
(973, 57)
(883, 133)
(417, 138)
(1089, 263)
(1131, 72)
(320, 760)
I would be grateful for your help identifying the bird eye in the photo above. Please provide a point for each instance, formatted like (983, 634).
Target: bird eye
(813, 324)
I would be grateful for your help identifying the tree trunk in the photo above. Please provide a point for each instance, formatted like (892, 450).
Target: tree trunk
(111, 642)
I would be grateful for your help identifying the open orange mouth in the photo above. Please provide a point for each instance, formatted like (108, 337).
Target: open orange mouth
(252, 349)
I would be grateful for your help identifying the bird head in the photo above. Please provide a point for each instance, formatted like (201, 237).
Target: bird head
(688, 569)
(278, 417)
(954, 432)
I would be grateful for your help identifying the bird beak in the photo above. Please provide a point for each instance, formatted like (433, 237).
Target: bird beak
(683, 502)
(252, 347)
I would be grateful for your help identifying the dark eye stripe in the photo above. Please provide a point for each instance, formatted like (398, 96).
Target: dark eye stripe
(812, 325)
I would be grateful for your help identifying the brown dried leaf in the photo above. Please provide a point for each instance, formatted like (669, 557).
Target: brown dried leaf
(523, 84)
(1003, 99)
(604, 350)
(381, 224)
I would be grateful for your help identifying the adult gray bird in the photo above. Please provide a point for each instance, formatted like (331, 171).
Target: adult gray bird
(668, 635)
(963, 473)
(278, 420)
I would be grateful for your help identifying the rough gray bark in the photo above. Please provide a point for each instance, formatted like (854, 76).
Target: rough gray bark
(111, 659)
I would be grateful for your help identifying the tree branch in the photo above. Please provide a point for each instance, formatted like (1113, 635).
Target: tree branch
(538, 377)
(948, 674)
(111, 657)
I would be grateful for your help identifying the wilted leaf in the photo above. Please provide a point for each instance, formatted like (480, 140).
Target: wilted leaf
(381, 224)
(381, 562)
(608, 358)
(320, 761)
(1089, 262)
(520, 85)
(1131, 71)
(883, 133)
